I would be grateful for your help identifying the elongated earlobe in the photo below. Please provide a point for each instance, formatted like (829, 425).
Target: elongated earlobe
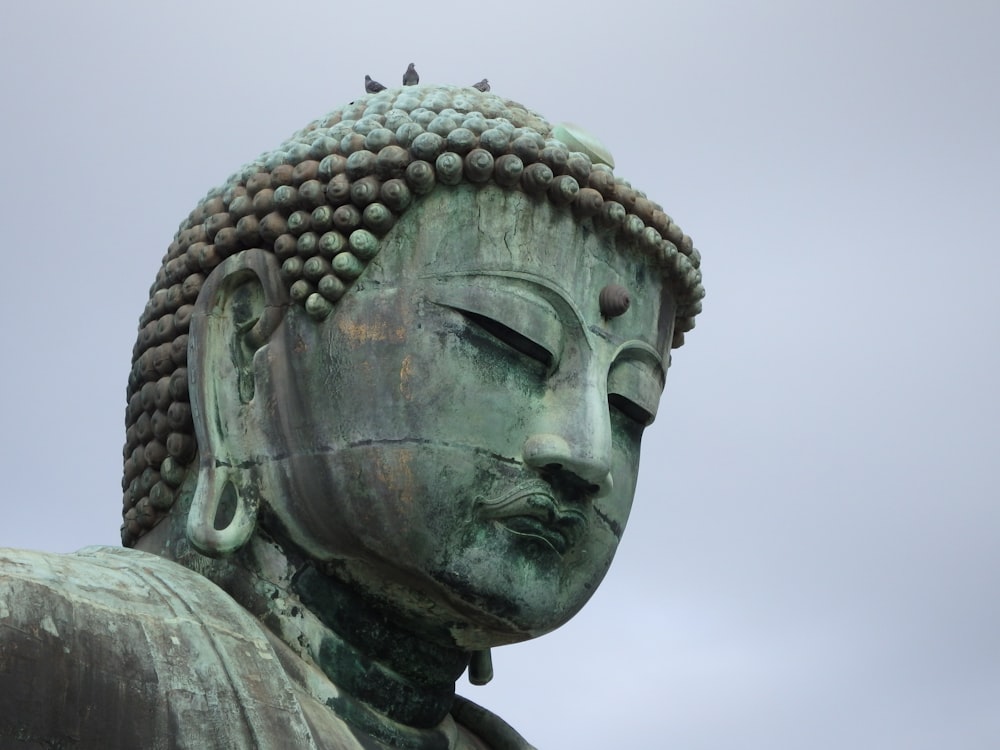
(239, 307)
(222, 517)
(481, 667)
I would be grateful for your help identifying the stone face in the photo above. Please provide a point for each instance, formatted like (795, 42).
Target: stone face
(385, 413)
(468, 403)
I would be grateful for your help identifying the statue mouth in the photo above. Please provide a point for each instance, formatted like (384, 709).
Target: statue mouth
(532, 511)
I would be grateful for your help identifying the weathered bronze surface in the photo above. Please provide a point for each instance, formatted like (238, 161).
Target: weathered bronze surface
(384, 414)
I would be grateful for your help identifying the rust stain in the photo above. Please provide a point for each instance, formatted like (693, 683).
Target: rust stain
(405, 373)
(395, 473)
(363, 331)
(405, 478)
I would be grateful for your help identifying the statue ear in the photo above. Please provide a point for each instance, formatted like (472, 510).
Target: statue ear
(241, 304)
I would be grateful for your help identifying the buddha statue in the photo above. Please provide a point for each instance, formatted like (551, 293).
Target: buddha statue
(384, 414)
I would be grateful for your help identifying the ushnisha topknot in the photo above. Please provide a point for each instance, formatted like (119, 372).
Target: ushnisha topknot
(322, 201)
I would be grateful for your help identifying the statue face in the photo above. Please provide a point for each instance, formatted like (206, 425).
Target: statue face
(462, 434)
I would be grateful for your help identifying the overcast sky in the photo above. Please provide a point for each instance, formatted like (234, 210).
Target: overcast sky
(814, 554)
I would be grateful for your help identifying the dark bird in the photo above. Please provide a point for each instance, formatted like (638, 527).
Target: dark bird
(410, 77)
(483, 85)
(372, 87)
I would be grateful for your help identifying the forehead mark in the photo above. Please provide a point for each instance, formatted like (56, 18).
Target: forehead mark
(614, 300)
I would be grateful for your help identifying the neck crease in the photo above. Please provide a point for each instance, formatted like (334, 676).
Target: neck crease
(366, 654)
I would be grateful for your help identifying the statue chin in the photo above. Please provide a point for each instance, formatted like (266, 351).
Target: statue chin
(497, 587)
(477, 569)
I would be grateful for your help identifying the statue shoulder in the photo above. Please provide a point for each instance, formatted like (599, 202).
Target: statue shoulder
(486, 726)
(118, 648)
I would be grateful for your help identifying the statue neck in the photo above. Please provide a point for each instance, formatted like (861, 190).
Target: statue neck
(387, 669)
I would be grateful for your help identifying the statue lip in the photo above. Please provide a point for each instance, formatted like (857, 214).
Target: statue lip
(531, 510)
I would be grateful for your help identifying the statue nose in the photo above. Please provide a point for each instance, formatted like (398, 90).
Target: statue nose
(551, 451)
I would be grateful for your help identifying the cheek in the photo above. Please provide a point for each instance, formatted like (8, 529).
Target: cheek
(617, 505)
(405, 501)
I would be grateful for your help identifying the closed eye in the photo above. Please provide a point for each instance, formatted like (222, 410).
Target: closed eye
(630, 409)
(635, 383)
(516, 341)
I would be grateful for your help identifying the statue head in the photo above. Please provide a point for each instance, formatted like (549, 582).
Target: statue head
(418, 344)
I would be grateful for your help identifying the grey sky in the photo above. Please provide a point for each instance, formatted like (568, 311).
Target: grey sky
(813, 559)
